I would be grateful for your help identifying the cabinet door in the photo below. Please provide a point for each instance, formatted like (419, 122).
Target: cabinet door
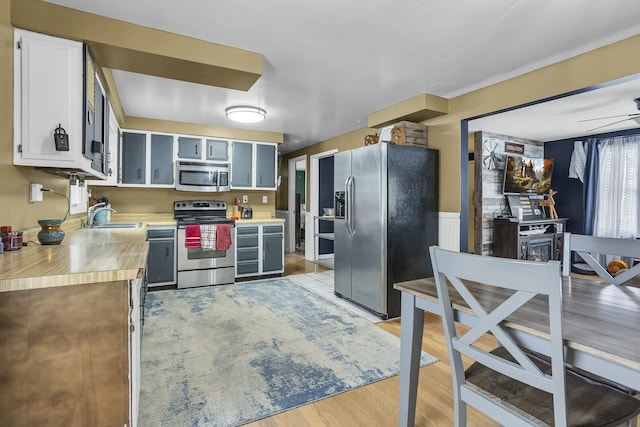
(134, 153)
(161, 159)
(272, 252)
(135, 337)
(160, 264)
(48, 88)
(242, 164)
(189, 148)
(217, 150)
(265, 166)
(96, 145)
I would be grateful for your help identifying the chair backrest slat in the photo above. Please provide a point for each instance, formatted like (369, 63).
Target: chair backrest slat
(588, 246)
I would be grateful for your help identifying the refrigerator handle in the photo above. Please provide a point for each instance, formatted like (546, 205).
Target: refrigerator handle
(352, 197)
(347, 205)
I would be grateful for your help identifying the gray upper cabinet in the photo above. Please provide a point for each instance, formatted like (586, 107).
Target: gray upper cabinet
(134, 153)
(189, 148)
(253, 165)
(217, 149)
(161, 159)
(265, 166)
(242, 164)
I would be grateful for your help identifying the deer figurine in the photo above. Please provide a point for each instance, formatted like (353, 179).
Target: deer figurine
(550, 203)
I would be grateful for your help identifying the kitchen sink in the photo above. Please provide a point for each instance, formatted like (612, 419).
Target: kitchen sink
(116, 225)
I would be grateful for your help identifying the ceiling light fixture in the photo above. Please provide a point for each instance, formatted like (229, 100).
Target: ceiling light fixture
(245, 114)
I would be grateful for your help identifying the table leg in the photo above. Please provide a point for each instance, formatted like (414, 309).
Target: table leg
(412, 324)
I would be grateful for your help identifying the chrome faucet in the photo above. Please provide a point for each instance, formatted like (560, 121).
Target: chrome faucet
(93, 211)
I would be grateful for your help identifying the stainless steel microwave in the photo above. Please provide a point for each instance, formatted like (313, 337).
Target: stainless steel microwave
(202, 176)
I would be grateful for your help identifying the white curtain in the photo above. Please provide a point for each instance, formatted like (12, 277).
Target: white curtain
(618, 190)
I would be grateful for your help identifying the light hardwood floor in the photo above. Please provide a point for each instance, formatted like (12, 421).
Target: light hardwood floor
(377, 404)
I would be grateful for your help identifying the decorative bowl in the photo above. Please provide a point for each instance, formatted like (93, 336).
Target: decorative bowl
(51, 233)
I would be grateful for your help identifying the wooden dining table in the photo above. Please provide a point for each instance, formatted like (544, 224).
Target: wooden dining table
(601, 328)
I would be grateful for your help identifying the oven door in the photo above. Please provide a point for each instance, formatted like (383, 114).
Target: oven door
(198, 259)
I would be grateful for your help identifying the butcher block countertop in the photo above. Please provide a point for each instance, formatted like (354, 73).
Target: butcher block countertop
(84, 257)
(87, 256)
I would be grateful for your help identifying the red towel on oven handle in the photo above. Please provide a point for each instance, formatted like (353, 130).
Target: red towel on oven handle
(192, 236)
(223, 237)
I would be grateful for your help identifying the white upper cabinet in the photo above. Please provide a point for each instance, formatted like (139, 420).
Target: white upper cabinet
(48, 87)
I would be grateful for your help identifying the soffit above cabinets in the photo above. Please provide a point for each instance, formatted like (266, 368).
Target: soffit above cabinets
(417, 109)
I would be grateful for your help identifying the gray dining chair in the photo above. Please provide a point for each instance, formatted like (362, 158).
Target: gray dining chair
(510, 384)
(589, 247)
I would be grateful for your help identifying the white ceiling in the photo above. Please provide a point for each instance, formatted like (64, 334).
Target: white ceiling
(329, 64)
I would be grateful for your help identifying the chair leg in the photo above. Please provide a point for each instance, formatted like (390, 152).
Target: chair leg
(460, 413)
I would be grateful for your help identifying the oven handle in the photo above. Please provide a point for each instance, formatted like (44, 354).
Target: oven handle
(232, 224)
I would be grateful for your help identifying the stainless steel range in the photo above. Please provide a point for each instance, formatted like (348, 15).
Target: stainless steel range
(196, 266)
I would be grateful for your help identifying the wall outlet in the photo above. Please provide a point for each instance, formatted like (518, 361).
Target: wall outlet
(35, 193)
(245, 199)
(264, 199)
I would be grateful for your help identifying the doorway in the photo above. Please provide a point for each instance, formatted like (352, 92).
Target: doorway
(297, 200)
(314, 199)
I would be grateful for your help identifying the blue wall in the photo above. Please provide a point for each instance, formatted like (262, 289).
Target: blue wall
(569, 200)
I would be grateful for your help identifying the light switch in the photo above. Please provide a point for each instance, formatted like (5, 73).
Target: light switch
(264, 199)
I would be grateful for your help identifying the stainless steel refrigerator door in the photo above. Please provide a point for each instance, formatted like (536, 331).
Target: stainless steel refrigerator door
(368, 266)
(342, 239)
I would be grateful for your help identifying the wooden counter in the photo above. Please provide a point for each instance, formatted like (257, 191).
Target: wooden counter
(70, 354)
(84, 256)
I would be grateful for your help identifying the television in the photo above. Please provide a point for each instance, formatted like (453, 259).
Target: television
(526, 175)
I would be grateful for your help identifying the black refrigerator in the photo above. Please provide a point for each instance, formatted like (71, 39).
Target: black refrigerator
(386, 219)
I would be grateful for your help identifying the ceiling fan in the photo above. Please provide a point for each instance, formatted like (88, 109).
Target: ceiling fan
(633, 116)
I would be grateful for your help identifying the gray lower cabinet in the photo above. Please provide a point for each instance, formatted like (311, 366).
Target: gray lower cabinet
(272, 249)
(259, 249)
(161, 263)
(247, 249)
(133, 152)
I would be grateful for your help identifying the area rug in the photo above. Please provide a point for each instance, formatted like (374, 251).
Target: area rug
(228, 355)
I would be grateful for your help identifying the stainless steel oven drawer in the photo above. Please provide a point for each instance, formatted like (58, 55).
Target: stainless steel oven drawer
(216, 276)
(248, 254)
(250, 241)
(247, 267)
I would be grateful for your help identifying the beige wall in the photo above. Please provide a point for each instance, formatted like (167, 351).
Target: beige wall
(341, 143)
(160, 200)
